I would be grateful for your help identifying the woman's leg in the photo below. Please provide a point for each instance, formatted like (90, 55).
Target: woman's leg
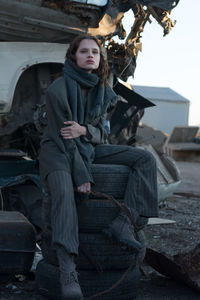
(141, 190)
(64, 223)
(64, 220)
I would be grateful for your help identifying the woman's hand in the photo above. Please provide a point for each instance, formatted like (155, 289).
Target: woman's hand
(72, 130)
(84, 188)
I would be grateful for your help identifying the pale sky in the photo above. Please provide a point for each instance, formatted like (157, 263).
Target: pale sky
(174, 60)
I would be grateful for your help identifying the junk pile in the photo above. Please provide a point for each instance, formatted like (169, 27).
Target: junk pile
(38, 32)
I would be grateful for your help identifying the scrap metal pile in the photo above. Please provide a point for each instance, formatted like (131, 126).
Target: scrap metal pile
(106, 21)
(58, 21)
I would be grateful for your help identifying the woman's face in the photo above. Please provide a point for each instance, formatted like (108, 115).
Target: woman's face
(88, 55)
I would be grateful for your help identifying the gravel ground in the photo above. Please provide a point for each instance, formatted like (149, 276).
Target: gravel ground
(170, 240)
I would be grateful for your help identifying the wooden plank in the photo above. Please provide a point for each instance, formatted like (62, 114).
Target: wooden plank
(183, 134)
(158, 221)
(185, 146)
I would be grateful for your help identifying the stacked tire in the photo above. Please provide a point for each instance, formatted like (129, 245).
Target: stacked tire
(101, 261)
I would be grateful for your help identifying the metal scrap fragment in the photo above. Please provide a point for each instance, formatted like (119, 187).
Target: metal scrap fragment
(183, 267)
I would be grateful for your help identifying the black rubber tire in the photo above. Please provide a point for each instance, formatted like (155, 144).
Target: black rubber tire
(93, 214)
(91, 282)
(110, 179)
(96, 214)
(97, 252)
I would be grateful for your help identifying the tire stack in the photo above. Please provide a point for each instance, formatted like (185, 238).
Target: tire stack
(101, 261)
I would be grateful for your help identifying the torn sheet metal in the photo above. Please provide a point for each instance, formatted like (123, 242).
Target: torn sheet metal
(164, 4)
(122, 116)
(183, 268)
(58, 21)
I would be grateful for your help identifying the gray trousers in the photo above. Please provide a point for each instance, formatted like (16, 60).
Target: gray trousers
(141, 191)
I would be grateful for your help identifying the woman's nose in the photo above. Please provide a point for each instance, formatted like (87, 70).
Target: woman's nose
(90, 54)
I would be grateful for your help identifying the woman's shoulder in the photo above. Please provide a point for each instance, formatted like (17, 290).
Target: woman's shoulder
(110, 96)
(57, 85)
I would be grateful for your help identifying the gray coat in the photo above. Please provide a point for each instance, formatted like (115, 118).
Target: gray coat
(60, 154)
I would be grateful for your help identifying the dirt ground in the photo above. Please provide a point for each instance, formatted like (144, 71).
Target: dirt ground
(169, 239)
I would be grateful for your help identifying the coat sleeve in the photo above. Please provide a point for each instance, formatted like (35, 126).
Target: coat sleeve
(58, 112)
(96, 130)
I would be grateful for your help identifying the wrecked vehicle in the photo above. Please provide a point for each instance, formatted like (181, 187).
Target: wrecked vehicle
(33, 43)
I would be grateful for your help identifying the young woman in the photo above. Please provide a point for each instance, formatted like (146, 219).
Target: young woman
(75, 137)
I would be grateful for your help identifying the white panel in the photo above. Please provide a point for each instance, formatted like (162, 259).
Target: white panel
(166, 115)
(16, 57)
(93, 2)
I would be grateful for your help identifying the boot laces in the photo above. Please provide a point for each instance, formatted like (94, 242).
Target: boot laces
(70, 277)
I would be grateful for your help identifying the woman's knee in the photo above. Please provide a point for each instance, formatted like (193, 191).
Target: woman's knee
(148, 156)
(142, 156)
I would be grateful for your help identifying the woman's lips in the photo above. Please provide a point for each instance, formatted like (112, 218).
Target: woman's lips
(90, 62)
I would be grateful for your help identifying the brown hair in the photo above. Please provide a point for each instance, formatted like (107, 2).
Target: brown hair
(102, 70)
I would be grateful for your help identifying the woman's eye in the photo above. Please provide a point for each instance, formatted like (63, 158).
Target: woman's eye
(85, 51)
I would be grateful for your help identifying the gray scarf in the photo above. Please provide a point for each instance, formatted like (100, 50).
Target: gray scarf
(100, 96)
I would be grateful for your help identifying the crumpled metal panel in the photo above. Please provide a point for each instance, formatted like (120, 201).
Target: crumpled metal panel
(164, 4)
(181, 267)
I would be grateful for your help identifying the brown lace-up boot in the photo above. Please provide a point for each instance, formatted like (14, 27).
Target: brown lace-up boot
(70, 287)
(123, 231)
